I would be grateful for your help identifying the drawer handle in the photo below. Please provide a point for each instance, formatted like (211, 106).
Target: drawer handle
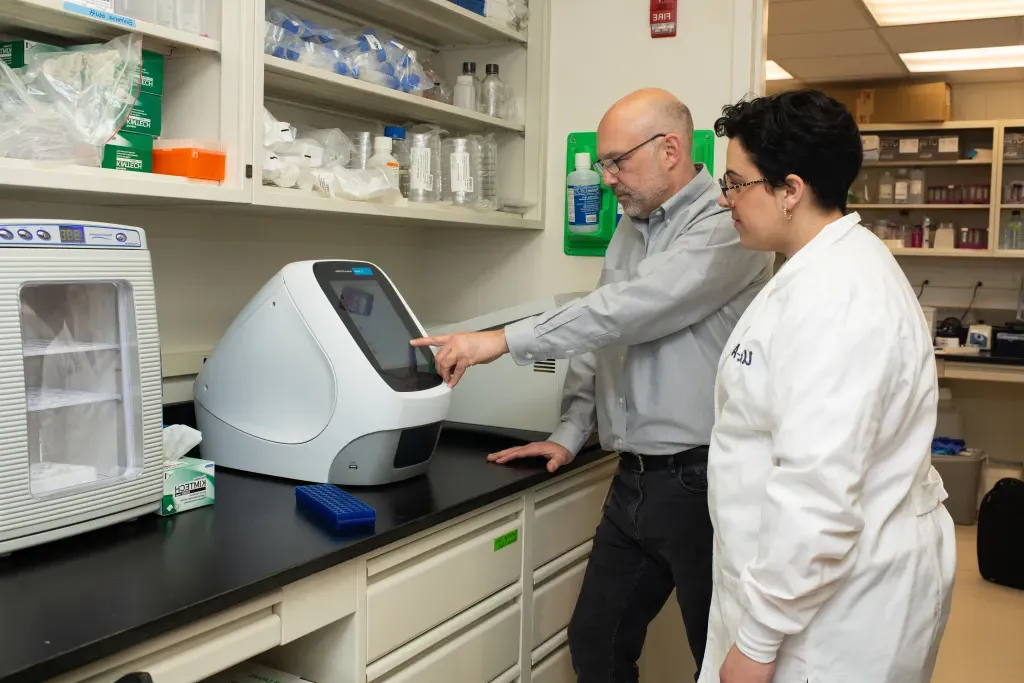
(137, 677)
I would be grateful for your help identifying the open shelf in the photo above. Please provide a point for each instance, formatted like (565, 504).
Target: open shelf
(405, 214)
(41, 347)
(40, 399)
(308, 85)
(916, 164)
(941, 253)
(54, 17)
(437, 23)
(1011, 207)
(919, 207)
(39, 181)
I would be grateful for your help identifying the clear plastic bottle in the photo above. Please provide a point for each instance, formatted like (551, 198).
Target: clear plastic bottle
(492, 93)
(917, 186)
(886, 188)
(583, 196)
(165, 13)
(901, 189)
(190, 15)
(860, 193)
(400, 150)
(1013, 237)
(383, 160)
(143, 10)
(469, 69)
(465, 92)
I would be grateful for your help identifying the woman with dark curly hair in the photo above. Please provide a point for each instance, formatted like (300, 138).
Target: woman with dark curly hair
(834, 555)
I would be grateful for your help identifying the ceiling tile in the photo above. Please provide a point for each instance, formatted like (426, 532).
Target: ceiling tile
(811, 16)
(835, 68)
(953, 36)
(826, 44)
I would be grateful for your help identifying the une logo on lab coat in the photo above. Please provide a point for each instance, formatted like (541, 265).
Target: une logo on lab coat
(741, 356)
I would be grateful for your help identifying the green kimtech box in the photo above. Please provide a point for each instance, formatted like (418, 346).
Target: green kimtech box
(146, 117)
(16, 53)
(152, 81)
(188, 484)
(129, 152)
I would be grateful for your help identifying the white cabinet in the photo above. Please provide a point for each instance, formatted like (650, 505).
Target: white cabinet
(555, 668)
(554, 599)
(478, 655)
(568, 512)
(194, 652)
(417, 586)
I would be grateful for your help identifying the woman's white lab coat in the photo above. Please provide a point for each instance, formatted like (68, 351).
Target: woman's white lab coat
(834, 555)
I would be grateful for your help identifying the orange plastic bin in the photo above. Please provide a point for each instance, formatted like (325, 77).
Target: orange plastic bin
(197, 159)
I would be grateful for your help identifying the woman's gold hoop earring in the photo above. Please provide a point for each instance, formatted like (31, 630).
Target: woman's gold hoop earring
(787, 213)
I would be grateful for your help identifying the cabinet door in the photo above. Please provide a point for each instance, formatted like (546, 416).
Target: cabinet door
(554, 601)
(555, 668)
(568, 512)
(477, 655)
(435, 579)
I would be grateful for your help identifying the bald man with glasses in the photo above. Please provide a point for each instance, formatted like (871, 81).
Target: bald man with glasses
(644, 350)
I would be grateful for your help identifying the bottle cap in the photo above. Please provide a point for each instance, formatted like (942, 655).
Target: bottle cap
(582, 161)
(492, 69)
(381, 144)
(394, 132)
(469, 67)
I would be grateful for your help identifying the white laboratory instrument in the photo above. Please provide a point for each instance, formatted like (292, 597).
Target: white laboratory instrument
(504, 396)
(81, 395)
(315, 380)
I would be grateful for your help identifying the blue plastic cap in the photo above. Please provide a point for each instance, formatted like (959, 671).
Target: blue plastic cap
(396, 132)
(387, 68)
(341, 68)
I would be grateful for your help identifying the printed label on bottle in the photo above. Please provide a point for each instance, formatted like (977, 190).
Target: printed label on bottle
(586, 203)
(902, 188)
(372, 41)
(916, 188)
(570, 202)
(885, 193)
(462, 181)
(420, 177)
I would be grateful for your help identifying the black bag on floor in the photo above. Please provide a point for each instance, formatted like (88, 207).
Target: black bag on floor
(1001, 534)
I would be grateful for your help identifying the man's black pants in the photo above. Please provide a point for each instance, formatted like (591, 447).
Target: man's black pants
(655, 535)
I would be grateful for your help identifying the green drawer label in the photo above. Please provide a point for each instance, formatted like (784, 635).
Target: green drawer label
(506, 540)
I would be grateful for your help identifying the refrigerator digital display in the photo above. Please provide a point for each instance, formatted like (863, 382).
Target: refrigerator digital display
(72, 234)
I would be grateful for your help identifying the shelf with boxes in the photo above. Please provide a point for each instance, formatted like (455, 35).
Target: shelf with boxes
(443, 23)
(363, 120)
(928, 190)
(188, 86)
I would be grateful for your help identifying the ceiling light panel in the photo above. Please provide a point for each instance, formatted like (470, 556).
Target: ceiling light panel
(973, 59)
(774, 72)
(904, 12)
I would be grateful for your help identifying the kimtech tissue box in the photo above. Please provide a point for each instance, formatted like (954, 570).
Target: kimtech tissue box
(188, 484)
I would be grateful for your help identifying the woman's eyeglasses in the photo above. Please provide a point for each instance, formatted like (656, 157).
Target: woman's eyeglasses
(728, 187)
(612, 165)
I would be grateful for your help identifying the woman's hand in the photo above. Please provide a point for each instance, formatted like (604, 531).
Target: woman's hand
(739, 668)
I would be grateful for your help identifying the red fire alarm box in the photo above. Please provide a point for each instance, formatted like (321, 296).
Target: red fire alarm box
(663, 18)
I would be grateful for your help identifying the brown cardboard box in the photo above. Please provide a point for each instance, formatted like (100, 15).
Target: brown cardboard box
(919, 103)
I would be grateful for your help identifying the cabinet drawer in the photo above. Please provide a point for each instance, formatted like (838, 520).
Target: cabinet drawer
(555, 668)
(478, 655)
(448, 575)
(554, 601)
(568, 512)
(202, 656)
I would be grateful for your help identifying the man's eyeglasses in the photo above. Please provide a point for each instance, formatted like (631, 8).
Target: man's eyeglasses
(612, 165)
(728, 187)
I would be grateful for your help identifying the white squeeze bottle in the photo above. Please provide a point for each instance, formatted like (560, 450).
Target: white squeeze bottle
(383, 160)
(583, 195)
